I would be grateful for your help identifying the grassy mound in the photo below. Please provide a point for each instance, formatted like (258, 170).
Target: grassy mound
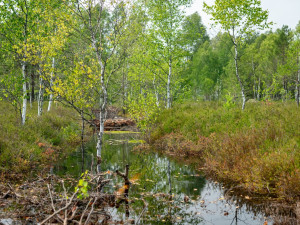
(38, 142)
(258, 148)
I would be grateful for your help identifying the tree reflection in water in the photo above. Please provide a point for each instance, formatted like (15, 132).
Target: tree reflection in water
(164, 185)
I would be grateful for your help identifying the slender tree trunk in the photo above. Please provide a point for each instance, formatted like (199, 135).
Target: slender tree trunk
(168, 84)
(103, 102)
(124, 84)
(41, 94)
(23, 63)
(125, 96)
(82, 142)
(285, 90)
(24, 93)
(238, 76)
(258, 89)
(254, 80)
(32, 87)
(156, 92)
(102, 117)
(254, 89)
(30, 96)
(51, 85)
(32, 84)
(103, 96)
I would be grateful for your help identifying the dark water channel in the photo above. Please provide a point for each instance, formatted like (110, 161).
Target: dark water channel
(175, 193)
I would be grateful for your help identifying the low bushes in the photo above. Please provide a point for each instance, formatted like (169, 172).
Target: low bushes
(38, 142)
(258, 148)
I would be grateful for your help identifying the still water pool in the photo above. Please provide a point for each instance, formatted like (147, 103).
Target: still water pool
(175, 193)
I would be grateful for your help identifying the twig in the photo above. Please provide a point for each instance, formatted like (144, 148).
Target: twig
(58, 211)
(92, 209)
(52, 204)
(81, 218)
(66, 197)
(13, 191)
(73, 213)
(102, 184)
(141, 214)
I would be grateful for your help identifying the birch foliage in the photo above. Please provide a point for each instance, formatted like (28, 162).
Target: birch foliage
(239, 18)
(164, 32)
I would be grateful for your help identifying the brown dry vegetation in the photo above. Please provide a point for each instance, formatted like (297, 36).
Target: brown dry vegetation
(258, 149)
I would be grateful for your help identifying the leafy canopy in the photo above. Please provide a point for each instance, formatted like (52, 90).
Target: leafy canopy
(239, 16)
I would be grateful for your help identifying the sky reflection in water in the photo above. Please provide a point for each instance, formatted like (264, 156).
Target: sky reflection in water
(175, 193)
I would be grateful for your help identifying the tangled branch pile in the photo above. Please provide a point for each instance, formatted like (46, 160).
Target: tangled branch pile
(68, 201)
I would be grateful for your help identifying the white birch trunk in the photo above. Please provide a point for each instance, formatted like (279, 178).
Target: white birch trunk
(51, 85)
(168, 84)
(124, 84)
(103, 101)
(41, 95)
(238, 76)
(102, 116)
(24, 107)
(156, 92)
(103, 96)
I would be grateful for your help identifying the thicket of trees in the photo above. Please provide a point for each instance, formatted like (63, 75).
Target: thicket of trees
(268, 64)
(141, 55)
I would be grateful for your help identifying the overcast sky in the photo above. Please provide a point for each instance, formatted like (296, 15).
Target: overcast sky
(281, 12)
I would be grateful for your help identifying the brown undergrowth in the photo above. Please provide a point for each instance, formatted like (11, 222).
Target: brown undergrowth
(258, 149)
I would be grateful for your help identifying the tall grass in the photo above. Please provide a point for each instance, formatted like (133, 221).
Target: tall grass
(258, 148)
(38, 142)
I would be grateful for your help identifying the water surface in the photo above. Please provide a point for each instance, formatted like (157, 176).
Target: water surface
(176, 193)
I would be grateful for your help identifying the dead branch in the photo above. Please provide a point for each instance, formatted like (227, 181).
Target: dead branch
(64, 208)
(92, 209)
(142, 213)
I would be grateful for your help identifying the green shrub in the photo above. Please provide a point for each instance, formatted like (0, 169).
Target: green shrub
(24, 147)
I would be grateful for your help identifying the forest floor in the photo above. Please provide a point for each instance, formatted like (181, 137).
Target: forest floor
(257, 150)
(30, 149)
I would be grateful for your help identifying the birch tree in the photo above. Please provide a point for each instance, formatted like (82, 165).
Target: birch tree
(51, 36)
(104, 27)
(17, 24)
(165, 29)
(238, 18)
(289, 69)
